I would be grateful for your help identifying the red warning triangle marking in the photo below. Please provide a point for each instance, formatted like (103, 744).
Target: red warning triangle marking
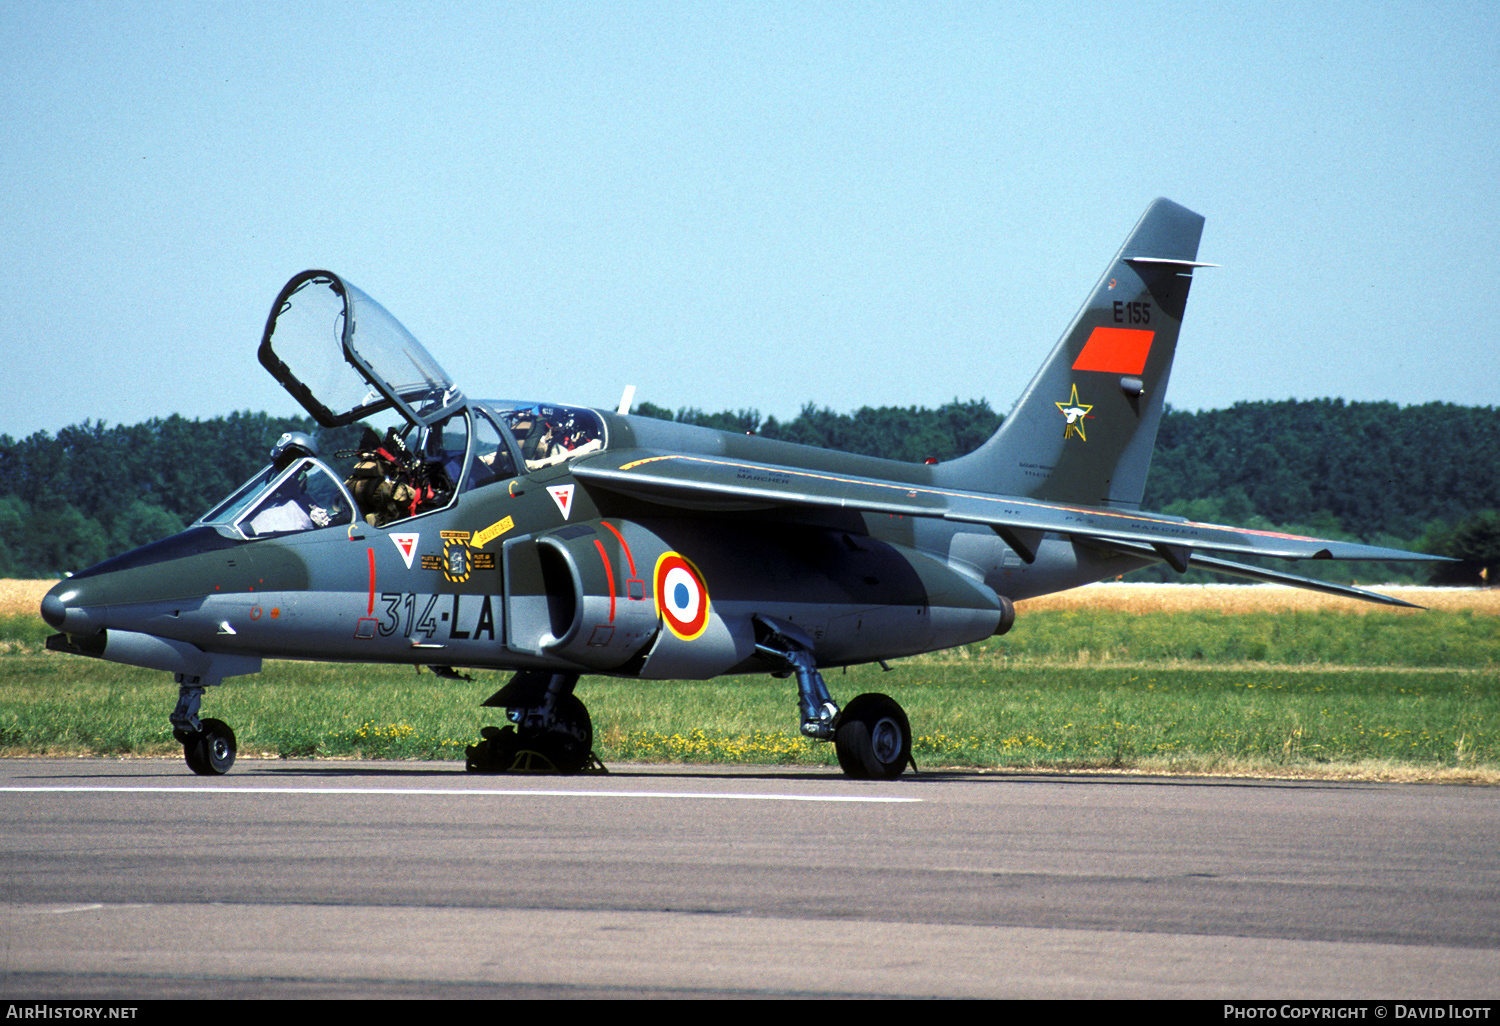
(563, 496)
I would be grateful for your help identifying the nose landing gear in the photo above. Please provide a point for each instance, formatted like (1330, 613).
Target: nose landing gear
(208, 745)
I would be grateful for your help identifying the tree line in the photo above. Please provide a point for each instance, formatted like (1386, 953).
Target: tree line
(93, 491)
(1415, 476)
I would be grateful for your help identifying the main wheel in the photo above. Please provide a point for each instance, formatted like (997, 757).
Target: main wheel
(210, 752)
(568, 743)
(565, 746)
(873, 738)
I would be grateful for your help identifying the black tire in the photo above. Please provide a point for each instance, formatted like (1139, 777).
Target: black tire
(873, 738)
(211, 751)
(192, 753)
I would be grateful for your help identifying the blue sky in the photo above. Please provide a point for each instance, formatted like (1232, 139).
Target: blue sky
(738, 206)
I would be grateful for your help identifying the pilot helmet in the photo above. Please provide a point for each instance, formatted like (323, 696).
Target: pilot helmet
(292, 445)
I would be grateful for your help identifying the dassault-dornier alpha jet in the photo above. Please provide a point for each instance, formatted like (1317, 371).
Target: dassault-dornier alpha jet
(556, 541)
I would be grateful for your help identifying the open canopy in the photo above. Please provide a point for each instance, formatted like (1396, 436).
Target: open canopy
(343, 357)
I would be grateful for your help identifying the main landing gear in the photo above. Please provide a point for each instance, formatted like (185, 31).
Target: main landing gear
(873, 738)
(208, 745)
(871, 735)
(550, 729)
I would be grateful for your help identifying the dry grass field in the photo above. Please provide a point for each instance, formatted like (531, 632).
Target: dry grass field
(24, 597)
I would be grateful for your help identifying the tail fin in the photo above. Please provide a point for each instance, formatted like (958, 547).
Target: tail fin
(1084, 429)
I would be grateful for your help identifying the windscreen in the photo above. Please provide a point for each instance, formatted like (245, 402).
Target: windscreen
(301, 496)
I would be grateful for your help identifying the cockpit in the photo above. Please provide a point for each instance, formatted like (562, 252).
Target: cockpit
(547, 434)
(424, 468)
(303, 495)
(406, 440)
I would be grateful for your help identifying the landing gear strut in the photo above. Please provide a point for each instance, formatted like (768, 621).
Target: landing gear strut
(208, 745)
(550, 733)
(871, 735)
(790, 650)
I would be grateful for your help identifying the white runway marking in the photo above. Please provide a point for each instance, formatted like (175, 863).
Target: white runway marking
(453, 792)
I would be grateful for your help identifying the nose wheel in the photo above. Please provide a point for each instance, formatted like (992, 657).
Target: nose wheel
(207, 745)
(210, 752)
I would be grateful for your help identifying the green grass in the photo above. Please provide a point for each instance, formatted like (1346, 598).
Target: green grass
(22, 632)
(1081, 717)
(1382, 694)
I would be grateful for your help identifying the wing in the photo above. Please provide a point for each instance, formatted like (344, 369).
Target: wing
(707, 482)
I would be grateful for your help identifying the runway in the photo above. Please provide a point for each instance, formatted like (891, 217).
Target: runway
(136, 879)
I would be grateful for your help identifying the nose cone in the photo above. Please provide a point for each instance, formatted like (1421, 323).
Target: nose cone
(65, 608)
(54, 610)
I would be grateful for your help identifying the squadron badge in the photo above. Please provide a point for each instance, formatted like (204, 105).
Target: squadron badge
(1074, 412)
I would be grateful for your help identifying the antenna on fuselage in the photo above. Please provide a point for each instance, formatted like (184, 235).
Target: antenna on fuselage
(627, 399)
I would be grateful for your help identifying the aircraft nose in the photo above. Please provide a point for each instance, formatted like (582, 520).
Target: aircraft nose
(54, 610)
(65, 608)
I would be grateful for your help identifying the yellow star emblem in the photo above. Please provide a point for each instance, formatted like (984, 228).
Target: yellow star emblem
(1074, 412)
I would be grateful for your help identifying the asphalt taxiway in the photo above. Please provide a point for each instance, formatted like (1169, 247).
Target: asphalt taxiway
(136, 879)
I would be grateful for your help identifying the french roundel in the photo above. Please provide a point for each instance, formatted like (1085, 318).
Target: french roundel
(681, 597)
